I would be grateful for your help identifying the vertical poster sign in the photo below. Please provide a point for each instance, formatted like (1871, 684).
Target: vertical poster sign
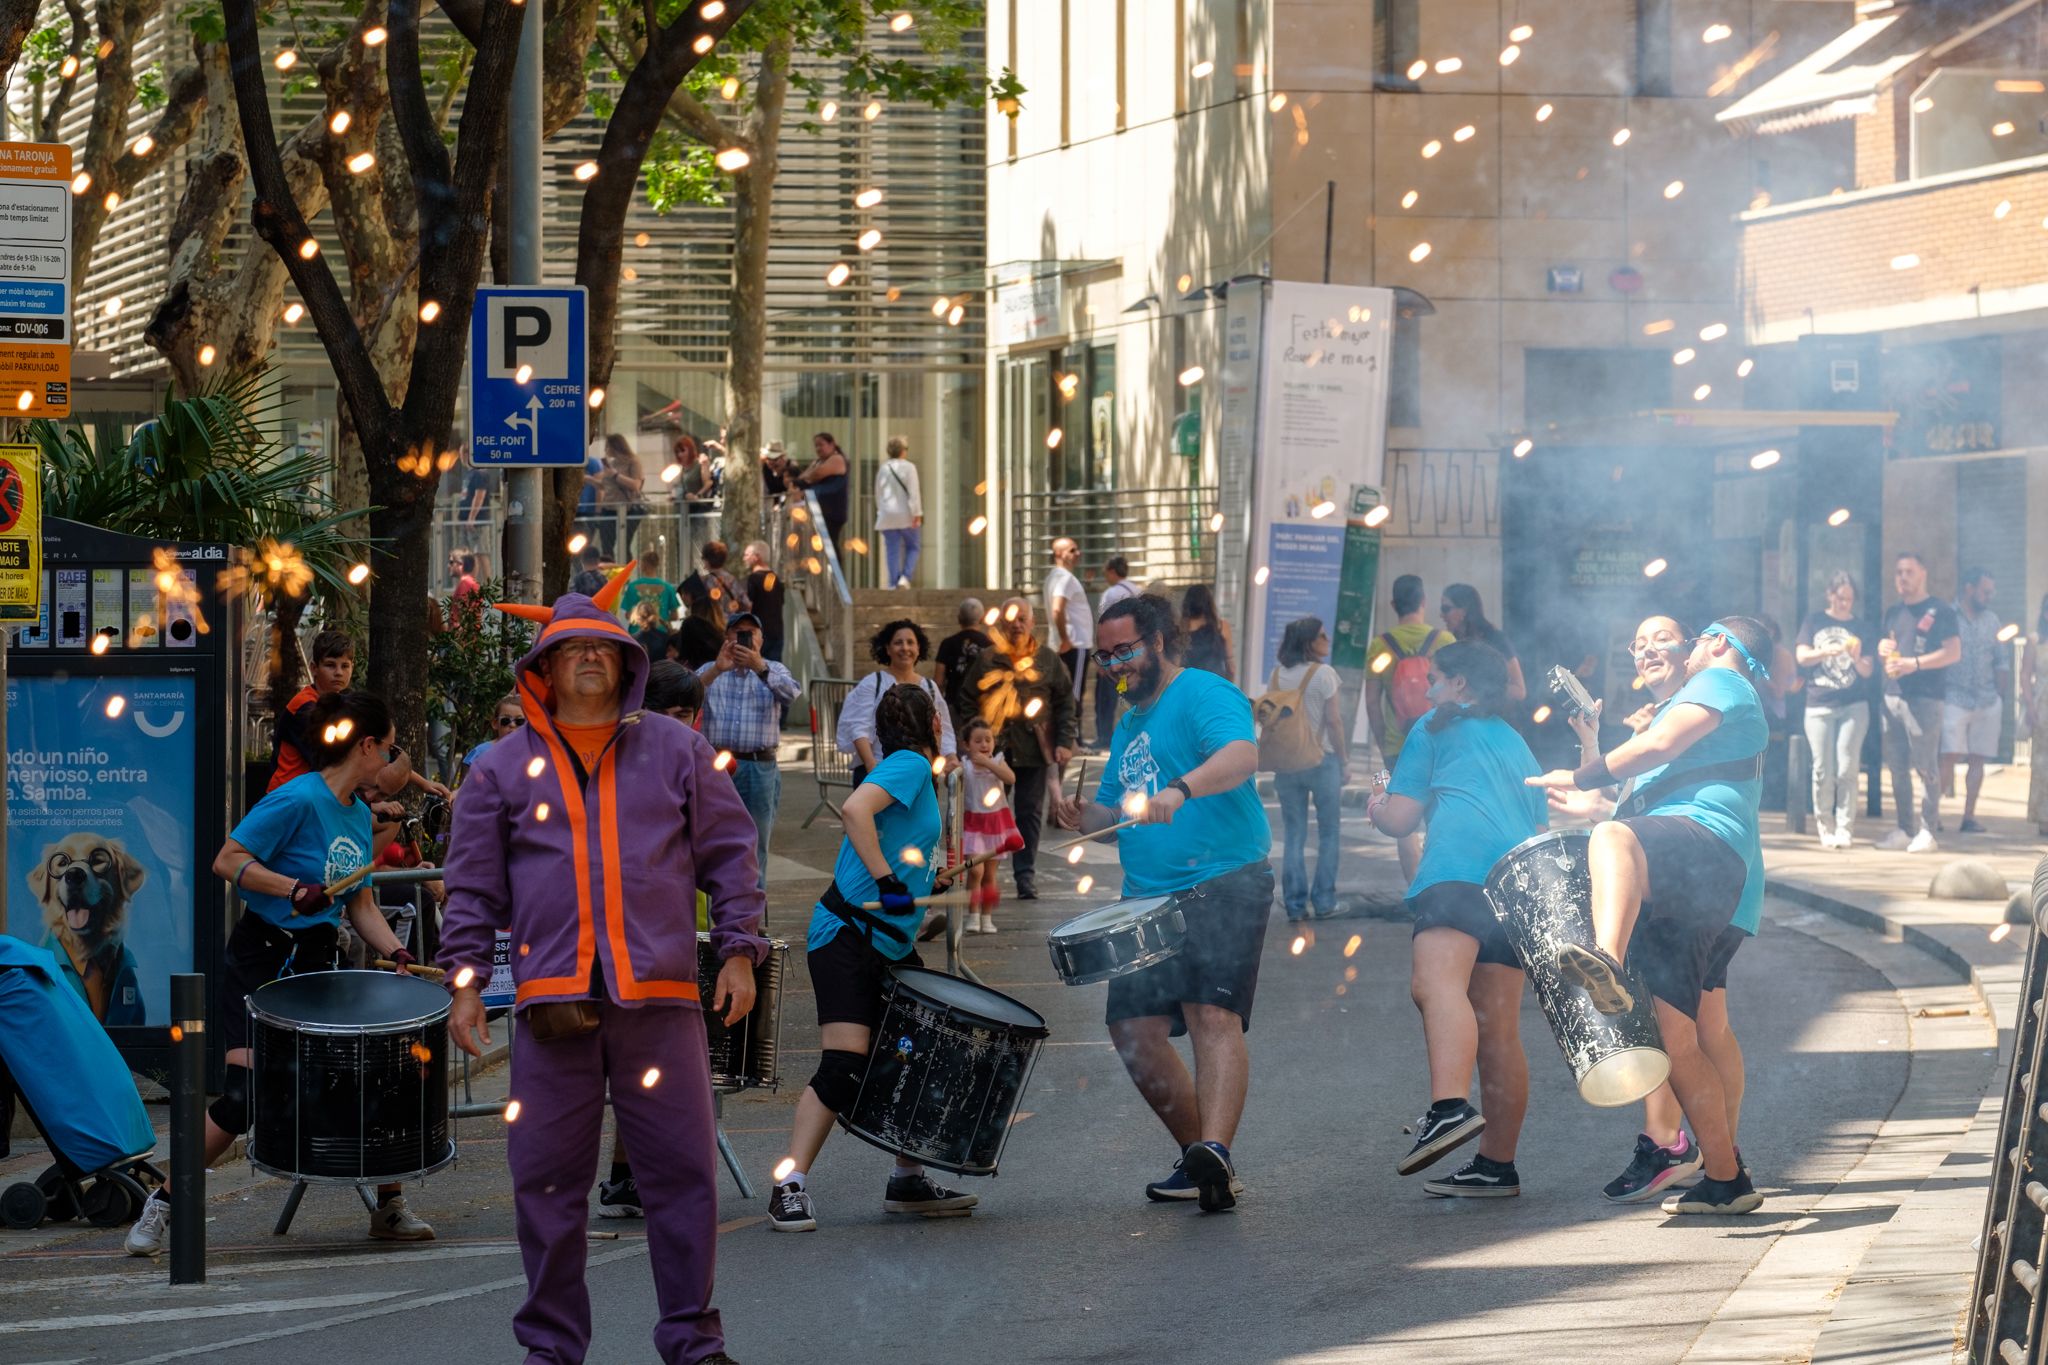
(142, 625)
(1236, 444)
(72, 587)
(1351, 635)
(106, 605)
(21, 534)
(101, 781)
(35, 278)
(1321, 430)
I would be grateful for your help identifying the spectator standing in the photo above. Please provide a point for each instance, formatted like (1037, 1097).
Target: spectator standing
(650, 587)
(1021, 689)
(2034, 696)
(1305, 664)
(957, 653)
(829, 475)
(1464, 616)
(620, 490)
(764, 596)
(1070, 626)
(1207, 635)
(744, 693)
(590, 575)
(1837, 673)
(697, 476)
(1116, 572)
(719, 584)
(899, 647)
(1973, 709)
(778, 475)
(697, 641)
(477, 492)
(649, 629)
(587, 513)
(510, 717)
(899, 513)
(1397, 686)
(1920, 643)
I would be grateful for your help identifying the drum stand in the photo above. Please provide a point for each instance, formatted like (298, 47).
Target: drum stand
(298, 1193)
(732, 1158)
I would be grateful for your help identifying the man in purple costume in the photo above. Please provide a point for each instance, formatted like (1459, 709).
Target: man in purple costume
(600, 903)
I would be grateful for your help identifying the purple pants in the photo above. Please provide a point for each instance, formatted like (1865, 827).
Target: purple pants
(553, 1150)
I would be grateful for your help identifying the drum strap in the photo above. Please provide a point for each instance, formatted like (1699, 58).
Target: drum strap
(1734, 770)
(865, 921)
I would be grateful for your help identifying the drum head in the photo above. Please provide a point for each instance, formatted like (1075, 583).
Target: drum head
(968, 998)
(350, 999)
(1109, 916)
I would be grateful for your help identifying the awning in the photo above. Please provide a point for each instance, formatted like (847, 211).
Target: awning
(1839, 81)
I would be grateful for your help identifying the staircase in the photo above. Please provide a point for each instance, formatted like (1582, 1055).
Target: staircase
(935, 609)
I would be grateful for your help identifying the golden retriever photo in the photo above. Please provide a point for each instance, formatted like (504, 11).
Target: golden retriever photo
(84, 883)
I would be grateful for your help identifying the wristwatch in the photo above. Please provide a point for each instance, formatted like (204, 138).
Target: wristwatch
(1180, 785)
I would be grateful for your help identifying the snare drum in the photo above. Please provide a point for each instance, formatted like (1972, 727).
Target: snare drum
(349, 1077)
(1117, 940)
(947, 1069)
(746, 1054)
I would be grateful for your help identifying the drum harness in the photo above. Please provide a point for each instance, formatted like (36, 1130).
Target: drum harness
(1632, 803)
(864, 922)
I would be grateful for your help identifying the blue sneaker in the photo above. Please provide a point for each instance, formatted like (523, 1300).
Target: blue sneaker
(1178, 1186)
(1207, 1164)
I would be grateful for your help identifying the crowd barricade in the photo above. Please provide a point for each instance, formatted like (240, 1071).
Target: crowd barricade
(829, 767)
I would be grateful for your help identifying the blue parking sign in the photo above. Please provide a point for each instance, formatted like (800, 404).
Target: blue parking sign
(529, 376)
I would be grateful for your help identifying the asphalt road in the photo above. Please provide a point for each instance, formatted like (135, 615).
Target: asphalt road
(1330, 1256)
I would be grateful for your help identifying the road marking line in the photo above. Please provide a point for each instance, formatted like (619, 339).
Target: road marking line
(156, 1315)
(131, 1284)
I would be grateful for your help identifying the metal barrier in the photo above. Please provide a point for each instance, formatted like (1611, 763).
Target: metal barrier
(1164, 532)
(828, 766)
(2006, 1305)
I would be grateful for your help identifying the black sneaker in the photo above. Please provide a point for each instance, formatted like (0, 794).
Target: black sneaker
(1437, 1133)
(934, 925)
(1652, 1170)
(1177, 1186)
(1598, 975)
(789, 1209)
(922, 1195)
(1478, 1178)
(1207, 1164)
(619, 1199)
(1717, 1196)
(1027, 891)
(1969, 827)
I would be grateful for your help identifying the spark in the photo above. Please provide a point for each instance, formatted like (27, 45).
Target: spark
(867, 199)
(1540, 715)
(99, 643)
(1521, 33)
(1351, 945)
(828, 111)
(1216, 522)
(1716, 32)
(523, 375)
(2004, 207)
(69, 68)
(992, 798)
(703, 44)
(1509, 53)
(650, 1078)
(208, 354)
(1431, 148)
(1543, 113)
(1713, 331)
(729, 88)
(939, 766)
(869, 240)
(596, 399)
(1417, 69)
(940, 305)
(2012, 87)
(540, 812)
(359, 575)
(1838, 517)
(577, 542)
(712, 9)
(429, 311)
(26, 401)
(1134, 804)
(1053, 438)
(360, 162)
(912, 855)
(953, 318)
(112, 201)
(1523, 447)
(1069, 384)
(817, 543)
(1378, 515)
(587, 171)
(81, 182)
(1033, 707)
(1322, 509)
(1449, 65)
(2009, 633)
(1764, 459)
(641, 239)
(1464, 134)
(1084, 886)
(1699, 395)
(901, 22)
(1262, 575)
(1278, 102)
(1905, 262)
(1202, 69)
(339, 123)
(783, 1168)
(374, 36)
(1674, 189)
(1999, 931)
(1010, 612)
(1419, 252)
(464, 977)
(112, 306)
(1074, 855)
(1655, 567)
(671, 473)
(977, 526)
(1923, 104)
(814, 566)
(144, 145)
(872, 111)
(1299, 946)
(536, 766)
(733, 158)
(285, 60)
(116, 704)
(1620, 137)
(1191, 376)
(2002, 128)
(511, 1106)
(421, 1053)
(1742, 371)
(308, 249)
(855, 544)
(1408, 199)
(1683, 355)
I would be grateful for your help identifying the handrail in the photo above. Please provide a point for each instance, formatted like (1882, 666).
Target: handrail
(830, 554)
(2006, 1305)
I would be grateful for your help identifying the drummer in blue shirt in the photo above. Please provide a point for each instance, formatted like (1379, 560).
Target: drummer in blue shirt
(1182, 760)
(1680, 864)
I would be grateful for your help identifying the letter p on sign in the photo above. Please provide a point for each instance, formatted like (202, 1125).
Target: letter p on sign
(526, 331)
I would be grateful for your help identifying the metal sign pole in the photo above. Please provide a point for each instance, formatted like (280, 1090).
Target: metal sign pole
(526, 487)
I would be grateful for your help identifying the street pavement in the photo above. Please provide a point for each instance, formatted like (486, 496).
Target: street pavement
(1330, 1256)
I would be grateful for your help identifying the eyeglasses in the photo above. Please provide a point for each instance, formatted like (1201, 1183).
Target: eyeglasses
(1111, 658)
(510, 722)
(1661, 645)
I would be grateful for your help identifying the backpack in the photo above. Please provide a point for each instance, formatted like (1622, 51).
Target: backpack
(1287, 735)
(1408, 688)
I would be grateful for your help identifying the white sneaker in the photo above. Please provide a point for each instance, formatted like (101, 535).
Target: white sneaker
(394, 1222)
(1923, 842)
(1845, 838)
(903, 582)
(1896, 841)
(151, 1230)
(988, 924)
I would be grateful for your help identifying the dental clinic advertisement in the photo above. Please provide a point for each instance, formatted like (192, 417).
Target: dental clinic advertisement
(1320, 429)
(101, 776)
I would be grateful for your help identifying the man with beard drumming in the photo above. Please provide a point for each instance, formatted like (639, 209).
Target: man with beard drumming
(1182, 760)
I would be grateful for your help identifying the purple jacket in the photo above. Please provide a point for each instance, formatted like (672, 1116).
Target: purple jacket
(577, 874)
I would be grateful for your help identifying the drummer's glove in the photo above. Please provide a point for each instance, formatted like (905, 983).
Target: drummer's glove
(894, 895)
(309, 898)
(401, 960)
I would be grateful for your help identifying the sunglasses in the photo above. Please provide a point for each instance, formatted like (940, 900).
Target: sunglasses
(510, 722)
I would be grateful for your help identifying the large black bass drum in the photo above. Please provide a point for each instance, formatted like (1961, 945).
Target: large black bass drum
(748, 1053)
(946, 1071)
(349, 1079)
(1542, 893)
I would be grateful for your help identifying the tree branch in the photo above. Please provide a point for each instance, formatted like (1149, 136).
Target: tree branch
(17, 18)
(60, 100)
(691, 115)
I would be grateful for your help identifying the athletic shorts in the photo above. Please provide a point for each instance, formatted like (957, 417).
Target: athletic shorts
(848, 975)
(1463, 906)
(1219, 965)
(1971, 731)
(259, 953)
(1725, 948)
(1696, 882)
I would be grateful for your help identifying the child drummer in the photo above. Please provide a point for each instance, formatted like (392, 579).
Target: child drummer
(888, 856)
(1681, 863)
(1464, 770)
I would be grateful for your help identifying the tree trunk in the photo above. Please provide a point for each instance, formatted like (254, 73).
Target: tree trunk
(753, 201)
(400, 645)
(17, 17)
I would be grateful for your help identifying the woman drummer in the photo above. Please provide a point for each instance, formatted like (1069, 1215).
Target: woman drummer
(305, 835)
(1462, 772)
(891, 847)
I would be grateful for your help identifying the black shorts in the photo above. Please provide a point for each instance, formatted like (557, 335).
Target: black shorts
(1463, 906)
(1725, 948)
(259, 953)
(1219, 965)
(848, 975)
(1696, 883)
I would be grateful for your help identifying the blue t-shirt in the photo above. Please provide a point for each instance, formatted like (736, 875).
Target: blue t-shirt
(1182, 729)
(910, 823)
(1727, 808)
(300, 831)
(469, 759)
(1470, 778)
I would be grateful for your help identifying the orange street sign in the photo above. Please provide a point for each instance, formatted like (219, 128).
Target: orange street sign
(35, 279)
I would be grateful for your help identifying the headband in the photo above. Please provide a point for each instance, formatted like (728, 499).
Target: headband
(1740, 648)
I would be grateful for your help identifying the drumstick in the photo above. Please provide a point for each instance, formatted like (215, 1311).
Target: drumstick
(943, 898)
(349, 883)
(430, 973)
(1084, 838)
(981, 858)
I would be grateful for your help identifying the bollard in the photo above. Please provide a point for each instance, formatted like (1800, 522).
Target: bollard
(188, 1129)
